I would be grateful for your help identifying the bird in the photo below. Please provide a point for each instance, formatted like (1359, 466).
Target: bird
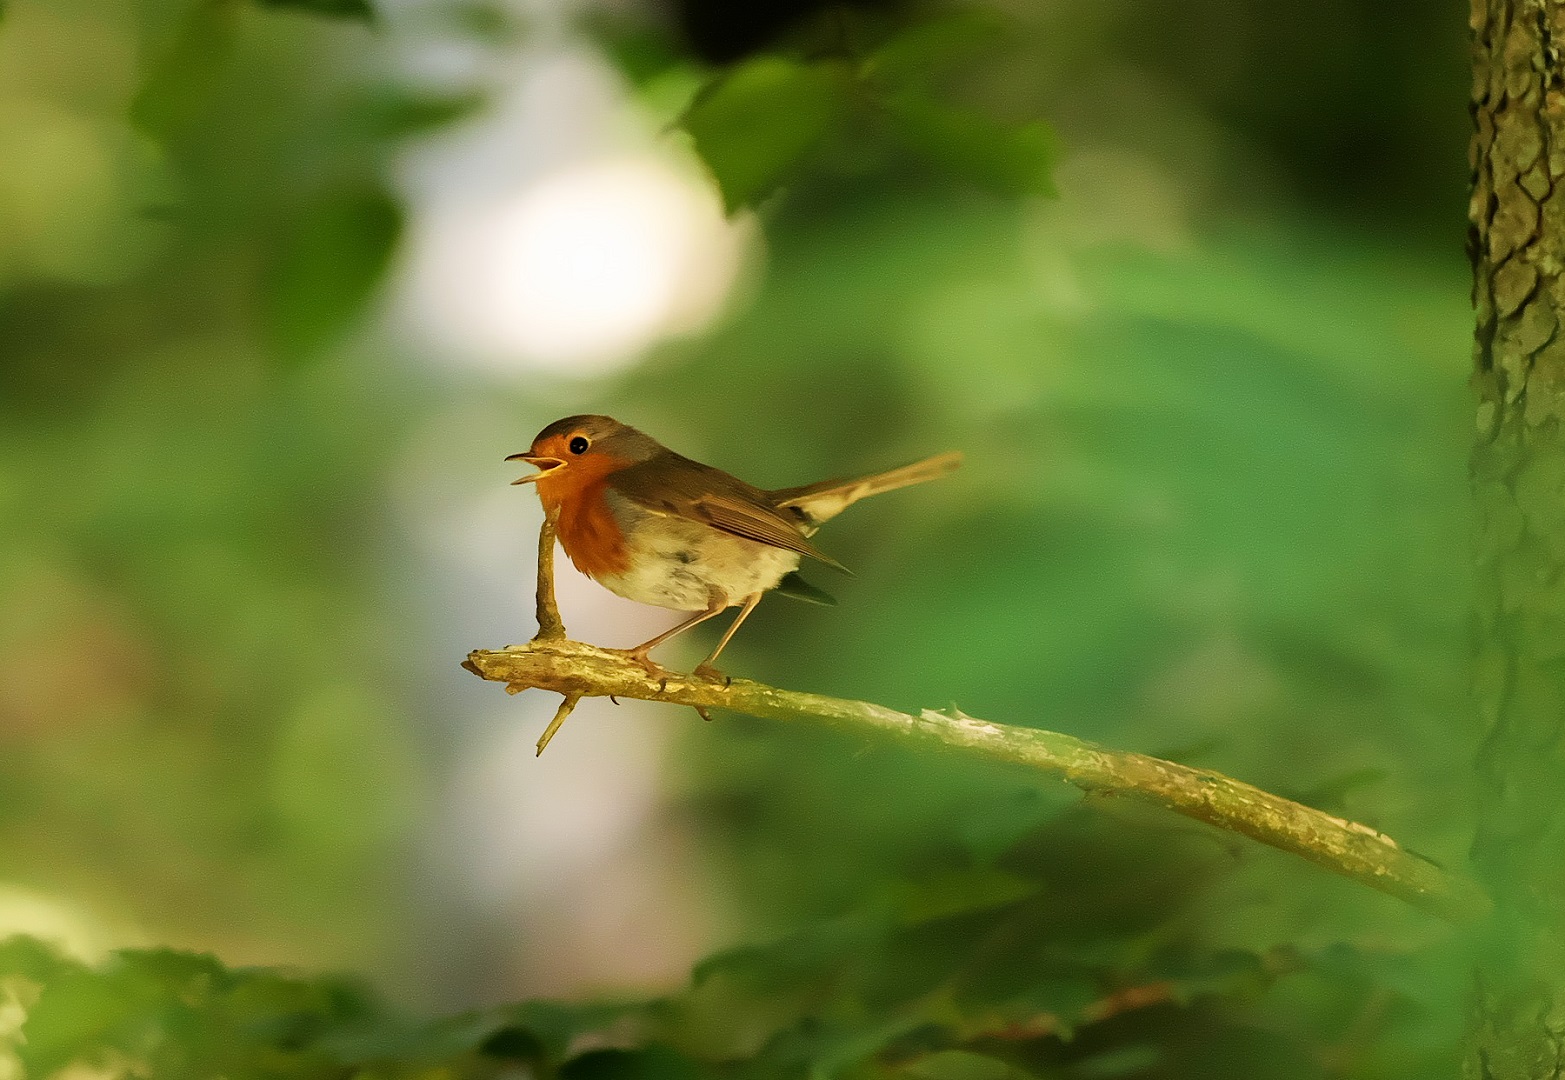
(658, 528)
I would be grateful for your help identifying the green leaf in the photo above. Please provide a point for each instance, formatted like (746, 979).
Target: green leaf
(32, 959)
(491, 23)
(547, 1029)
(180, 82)
(989, 826)
(1008, 159)
(799, 957)
(339, 9)
(650, 1063)
(754, 125)
(1331, 793)
(641, 50)
(513, 1043)
(327, 265)
(925, 51)
(959, 892)
(396, 113)
(963, 1065)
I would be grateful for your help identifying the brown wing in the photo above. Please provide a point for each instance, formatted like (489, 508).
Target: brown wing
(674, 485)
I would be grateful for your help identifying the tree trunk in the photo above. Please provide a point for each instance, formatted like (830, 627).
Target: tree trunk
(1517, 245)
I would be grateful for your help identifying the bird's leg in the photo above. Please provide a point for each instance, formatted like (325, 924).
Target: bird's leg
(706, 670)
(718, 604)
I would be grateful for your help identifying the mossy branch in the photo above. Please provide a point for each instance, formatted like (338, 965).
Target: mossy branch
(575, 670)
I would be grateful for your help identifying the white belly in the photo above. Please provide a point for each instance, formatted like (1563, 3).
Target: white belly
(684, 565)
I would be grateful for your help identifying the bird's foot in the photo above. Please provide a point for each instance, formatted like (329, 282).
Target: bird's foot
(711, 674)
(653, 669)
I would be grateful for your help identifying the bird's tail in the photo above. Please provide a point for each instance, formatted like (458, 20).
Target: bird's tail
(825, 500)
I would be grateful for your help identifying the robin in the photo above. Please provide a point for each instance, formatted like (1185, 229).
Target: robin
(661, 529)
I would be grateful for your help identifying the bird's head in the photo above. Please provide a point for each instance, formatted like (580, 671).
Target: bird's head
(579, 449)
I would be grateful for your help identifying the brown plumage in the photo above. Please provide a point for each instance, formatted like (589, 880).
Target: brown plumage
(659, 528)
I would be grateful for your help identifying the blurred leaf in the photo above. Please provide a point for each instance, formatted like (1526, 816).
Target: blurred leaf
(755, 124)
(987, 827)
(328, 263)
(929, 49)
(1010, 160)
(557, 1025)
(180, 83)
(343, 9)
(489, 22)
(31, 959)
(1133, 1060)
(799, 956)
(649, 1063)
(398, 113)
(513, 1043)
(641, 50)
(175, 1013)
(1331, 794)
(958, 892)
(963, 1065)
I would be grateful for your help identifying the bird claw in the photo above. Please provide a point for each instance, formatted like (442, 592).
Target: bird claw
(653, 669)
(711, 674)
(704, 714)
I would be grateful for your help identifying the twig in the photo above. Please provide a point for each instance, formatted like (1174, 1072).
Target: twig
(567, 704)
(550, 626)
(576, 670)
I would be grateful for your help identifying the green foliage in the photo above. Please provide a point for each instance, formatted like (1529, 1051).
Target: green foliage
(754, 124)
(179, 84)
(1212, 509)
(394, 112)
(994, 967)
(339, 9)
(759, 125)
(909, 72)
(163, 1013)
(329, 260)
(1010, 160)
(199, 459)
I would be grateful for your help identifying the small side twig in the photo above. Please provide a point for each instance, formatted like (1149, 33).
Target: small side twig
(567, 703)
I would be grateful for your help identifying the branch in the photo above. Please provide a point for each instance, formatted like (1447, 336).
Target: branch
(576, 670)
(550, 625)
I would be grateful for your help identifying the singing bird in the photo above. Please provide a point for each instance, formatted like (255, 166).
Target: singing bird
(661, 529)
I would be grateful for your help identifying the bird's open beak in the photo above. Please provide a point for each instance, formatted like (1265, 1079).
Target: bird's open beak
(546, 465)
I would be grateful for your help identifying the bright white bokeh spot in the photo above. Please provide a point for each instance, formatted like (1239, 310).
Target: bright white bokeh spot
(579, 271)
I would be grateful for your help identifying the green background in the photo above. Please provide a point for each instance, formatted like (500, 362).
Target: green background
(1213, 405)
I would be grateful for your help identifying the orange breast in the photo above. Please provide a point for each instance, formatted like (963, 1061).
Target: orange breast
(587, 529)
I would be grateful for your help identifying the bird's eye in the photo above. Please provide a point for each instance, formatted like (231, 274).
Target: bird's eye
(579, 444)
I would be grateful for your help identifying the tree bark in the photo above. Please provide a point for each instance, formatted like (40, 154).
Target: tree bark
(1517, 246)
